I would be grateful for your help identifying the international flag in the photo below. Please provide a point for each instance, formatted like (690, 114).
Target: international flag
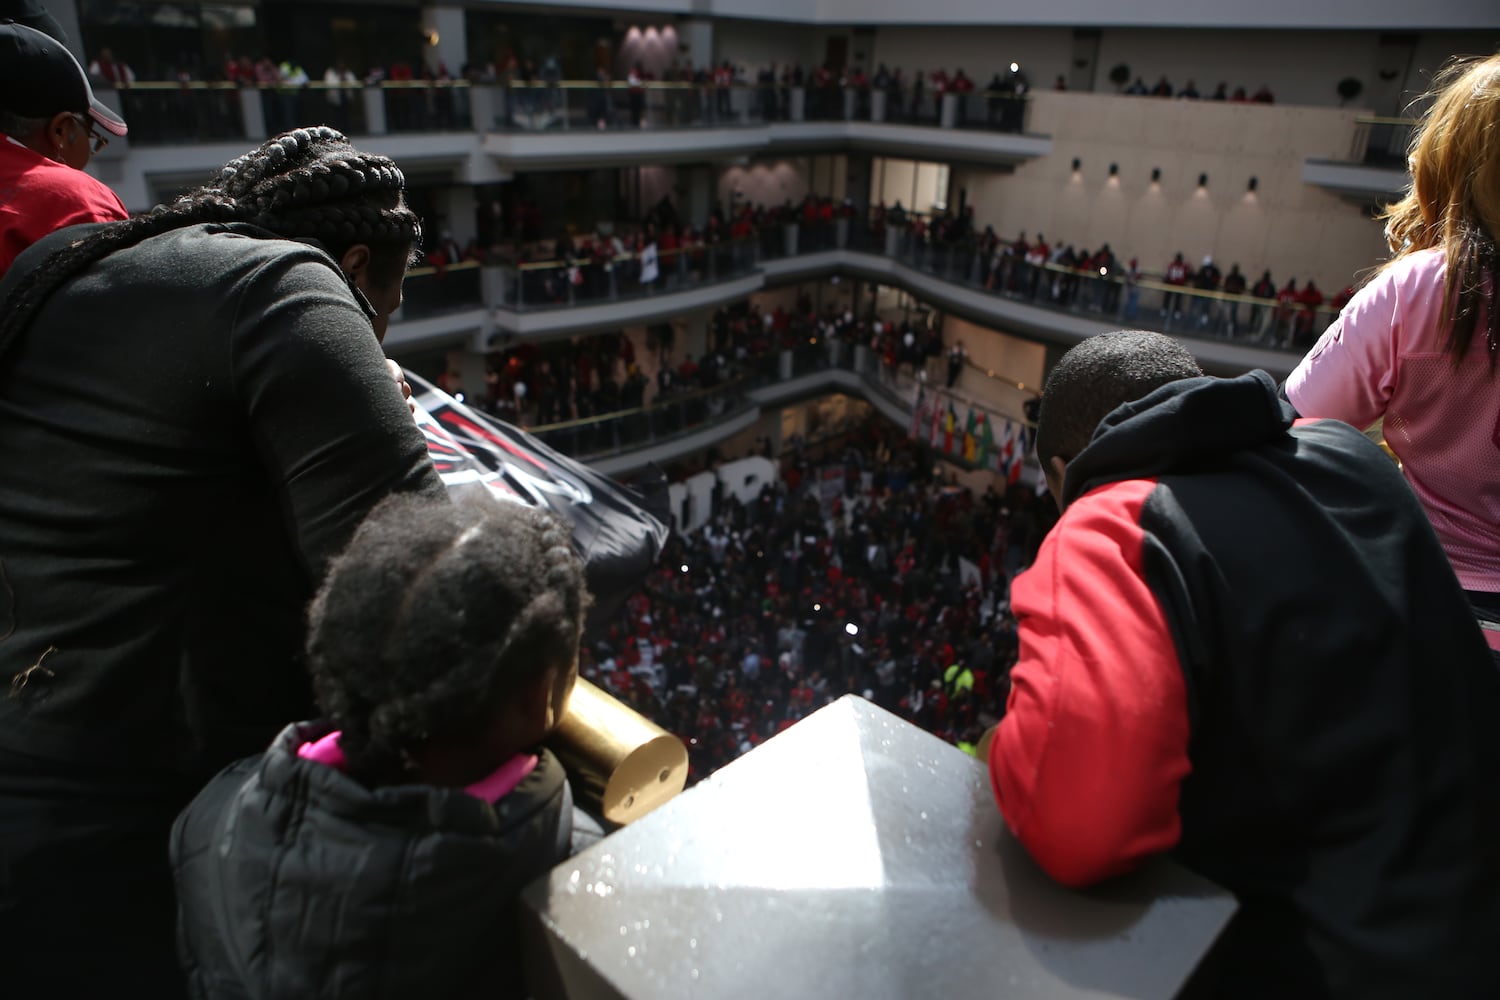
(1013, 452)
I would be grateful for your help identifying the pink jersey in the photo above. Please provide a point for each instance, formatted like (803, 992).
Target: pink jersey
(1384, 356)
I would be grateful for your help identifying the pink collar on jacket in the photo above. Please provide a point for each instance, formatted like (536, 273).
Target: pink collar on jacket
(500, 783)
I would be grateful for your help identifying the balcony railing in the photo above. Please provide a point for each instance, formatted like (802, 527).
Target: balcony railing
(683, 413)
(572, 104)
(550, 284)
(1110, 295)
(1382, 142)
(161, 113)
(1104, 294)
(435, 291)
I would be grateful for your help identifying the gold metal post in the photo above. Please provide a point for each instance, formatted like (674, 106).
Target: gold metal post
(622, 761)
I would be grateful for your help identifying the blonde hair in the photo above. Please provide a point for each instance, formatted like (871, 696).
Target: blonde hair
(1454, 200)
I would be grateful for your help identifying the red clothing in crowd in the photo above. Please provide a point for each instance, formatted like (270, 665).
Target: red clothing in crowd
(39, 196)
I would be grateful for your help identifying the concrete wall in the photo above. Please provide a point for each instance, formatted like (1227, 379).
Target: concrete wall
(772, 182)
(1010, 358)
(658, 183)
(917, 186)
(1383, 14)
(980, 52)
(1291, 228)
(1299, 67)
(752, 45)
(766, 182)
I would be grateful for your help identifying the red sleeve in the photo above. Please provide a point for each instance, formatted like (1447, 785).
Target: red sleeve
(1089, 758)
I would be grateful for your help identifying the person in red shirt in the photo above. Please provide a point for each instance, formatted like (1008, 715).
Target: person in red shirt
(1342, 299)
(1286, 306)
(50, 126)
(1177, 274)
(1310, 299)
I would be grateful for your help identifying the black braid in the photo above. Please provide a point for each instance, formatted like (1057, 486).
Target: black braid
(308, 184)
(435, 615)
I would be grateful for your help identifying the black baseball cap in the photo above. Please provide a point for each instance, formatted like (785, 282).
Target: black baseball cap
(39, 78)
(32, 14)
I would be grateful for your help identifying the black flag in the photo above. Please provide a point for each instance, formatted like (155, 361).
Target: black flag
(615, 534)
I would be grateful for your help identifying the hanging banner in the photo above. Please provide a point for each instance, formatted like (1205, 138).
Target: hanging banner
(830, 487)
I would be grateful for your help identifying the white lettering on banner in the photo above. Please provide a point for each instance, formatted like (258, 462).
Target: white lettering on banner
(744, 478)
(692, 500)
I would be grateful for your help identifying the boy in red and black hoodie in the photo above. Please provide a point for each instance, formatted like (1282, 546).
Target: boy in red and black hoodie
(1242, 644)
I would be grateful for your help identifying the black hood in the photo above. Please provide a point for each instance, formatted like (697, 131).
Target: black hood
(1180, 426)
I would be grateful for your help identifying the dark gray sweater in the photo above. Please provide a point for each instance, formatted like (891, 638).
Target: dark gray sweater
(189, 430)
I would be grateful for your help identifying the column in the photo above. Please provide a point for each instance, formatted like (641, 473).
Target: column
(374, 99)
(700, 193)
(65, 13)
(470, 366)
(457, 204)
(948, 111)
(692, 336)
(452, 48)
(698, 36)
(859, 170)
(253, 112)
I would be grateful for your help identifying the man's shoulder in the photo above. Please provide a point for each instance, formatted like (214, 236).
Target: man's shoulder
(209, 254)
(40, 180)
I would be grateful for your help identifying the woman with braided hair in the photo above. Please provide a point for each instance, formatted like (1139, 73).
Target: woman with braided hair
(386, 844)
(195, 415)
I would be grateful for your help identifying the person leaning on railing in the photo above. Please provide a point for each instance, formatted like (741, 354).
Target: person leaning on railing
(196, 417)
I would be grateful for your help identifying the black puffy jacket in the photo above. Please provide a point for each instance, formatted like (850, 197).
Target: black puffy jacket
(295, 880)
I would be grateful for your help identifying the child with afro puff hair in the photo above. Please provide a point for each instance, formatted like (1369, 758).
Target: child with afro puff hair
(380, 852)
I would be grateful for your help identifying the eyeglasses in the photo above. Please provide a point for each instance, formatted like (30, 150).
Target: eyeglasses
(96, 141)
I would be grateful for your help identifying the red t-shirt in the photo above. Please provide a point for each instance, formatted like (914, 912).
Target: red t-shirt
(39, 196)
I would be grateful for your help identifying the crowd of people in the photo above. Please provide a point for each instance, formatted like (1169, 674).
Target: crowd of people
(601, 376)
(1189, 92)
(664, 252)
(894, 587)
(276, 698)
(617, 100)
